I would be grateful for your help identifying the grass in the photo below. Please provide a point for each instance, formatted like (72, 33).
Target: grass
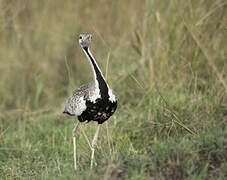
(166, 61)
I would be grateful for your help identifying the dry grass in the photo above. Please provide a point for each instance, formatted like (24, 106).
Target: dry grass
(166, 61)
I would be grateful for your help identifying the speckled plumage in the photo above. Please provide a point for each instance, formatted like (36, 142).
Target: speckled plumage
(80, 104)
(76, 103)
(92, 101)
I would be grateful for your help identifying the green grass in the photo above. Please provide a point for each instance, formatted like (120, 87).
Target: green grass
(165, 60)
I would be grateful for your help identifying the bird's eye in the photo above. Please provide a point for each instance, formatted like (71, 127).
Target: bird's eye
(80, 37)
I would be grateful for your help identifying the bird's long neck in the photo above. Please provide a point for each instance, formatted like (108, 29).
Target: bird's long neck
(97, 74)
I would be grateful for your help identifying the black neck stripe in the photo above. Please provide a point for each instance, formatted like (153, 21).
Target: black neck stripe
(102, 83)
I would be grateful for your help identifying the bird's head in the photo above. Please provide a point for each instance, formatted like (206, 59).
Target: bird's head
(85, 39)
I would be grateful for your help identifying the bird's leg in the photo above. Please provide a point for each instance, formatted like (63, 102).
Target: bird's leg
(93, 145)
(74, 143)
(89, 144)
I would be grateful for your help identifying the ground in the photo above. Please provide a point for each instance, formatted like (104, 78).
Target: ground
(165, 60)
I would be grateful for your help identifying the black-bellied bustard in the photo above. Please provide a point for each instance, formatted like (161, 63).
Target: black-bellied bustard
(92, 101)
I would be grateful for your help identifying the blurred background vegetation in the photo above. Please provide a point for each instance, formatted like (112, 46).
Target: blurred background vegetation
(165, 59)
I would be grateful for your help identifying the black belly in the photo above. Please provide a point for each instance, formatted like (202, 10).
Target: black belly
(99, 111)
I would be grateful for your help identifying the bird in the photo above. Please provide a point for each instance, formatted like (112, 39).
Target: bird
(94, 101)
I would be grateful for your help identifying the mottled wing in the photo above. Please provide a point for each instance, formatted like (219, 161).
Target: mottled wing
(76, 103)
